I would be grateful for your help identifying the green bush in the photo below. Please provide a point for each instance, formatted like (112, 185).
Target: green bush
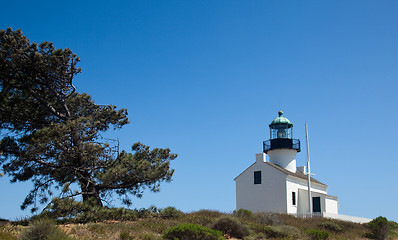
(3, 222)
(97, 228)
(315, 234)
(243, 213)
(208, 213)
(331, 226)
(379, 228)
(170, 212)
(125, 236)
(278, 231)
(192, 232)
(43, 230)
(69, 210)
(147, 236)
(231, 226)
(6, 236)
(267, 218)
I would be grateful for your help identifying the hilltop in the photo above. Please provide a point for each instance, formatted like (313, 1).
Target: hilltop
(153, 224)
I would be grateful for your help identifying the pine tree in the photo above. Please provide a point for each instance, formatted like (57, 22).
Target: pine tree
(51, 134)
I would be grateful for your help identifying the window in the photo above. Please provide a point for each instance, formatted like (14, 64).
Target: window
(294, 198)
(257, 177)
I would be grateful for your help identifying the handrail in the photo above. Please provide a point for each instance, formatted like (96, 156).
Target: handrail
(280, 143)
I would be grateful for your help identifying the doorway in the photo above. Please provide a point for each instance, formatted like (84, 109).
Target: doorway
(316, 204)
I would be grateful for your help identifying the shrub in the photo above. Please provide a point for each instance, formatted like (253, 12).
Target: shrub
(97, 228)
(170, 212)
(143, 213)
(393, 225)
(331, 226)
(69, 210)
(6, 236)
(379, 228)
(243, 213)
(3, 222)
(279, 231)
(208, 213)
(267, 218)
(154, 210)
(192, 232)
(125, 236)
(43, 230)
(22, 221)
(147, 236)
(317, 234)
(231, 226)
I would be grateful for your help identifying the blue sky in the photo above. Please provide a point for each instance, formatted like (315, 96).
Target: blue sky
(205, 78)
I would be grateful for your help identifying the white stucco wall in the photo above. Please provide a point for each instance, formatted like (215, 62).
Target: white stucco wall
(285, 158)
(331, 205)
(300, 186)
(269, 196)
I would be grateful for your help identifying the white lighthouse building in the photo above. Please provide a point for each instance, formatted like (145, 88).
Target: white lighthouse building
(278, 185)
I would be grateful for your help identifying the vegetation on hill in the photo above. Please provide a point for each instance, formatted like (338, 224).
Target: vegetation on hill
(170, 223)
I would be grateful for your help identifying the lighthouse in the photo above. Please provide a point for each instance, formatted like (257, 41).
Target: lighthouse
(281, 147)
(278, 185)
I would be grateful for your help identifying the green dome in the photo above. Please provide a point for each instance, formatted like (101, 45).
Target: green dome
(281, 120)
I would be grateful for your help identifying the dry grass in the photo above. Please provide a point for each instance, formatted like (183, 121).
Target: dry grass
(262, 226)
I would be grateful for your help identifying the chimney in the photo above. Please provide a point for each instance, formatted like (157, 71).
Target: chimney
(260, 157)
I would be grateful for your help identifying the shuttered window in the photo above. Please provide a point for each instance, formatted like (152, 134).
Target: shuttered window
(257, 177)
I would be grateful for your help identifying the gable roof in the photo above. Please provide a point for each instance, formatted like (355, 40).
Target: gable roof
(287, 172)
(244, 171)
(296, 174)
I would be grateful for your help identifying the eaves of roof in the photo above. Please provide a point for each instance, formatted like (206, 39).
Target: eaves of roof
(295, 174)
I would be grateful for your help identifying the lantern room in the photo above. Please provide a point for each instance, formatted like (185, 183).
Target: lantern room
(281, 135)
(281, 127)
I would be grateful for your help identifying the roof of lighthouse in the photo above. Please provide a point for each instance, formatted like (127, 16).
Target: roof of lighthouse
(294, 174)
(281, 120)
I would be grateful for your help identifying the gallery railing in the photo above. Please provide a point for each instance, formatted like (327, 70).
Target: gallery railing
(279, 143)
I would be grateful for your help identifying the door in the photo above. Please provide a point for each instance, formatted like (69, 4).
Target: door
(316, 204)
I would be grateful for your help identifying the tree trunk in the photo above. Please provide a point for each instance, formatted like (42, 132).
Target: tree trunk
(90, 193)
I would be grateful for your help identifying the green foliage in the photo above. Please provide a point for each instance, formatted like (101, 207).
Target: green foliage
(125, 235)
(170, 212)
(316, 234)
(267, 218)
(97, 228)
(6, 235)
(393, 229)
(203, 217)
(152, 226)
(192, 232)
(208, 213)
(331, 226)
(52, 134)
(43, 230)
(243, 213)
(69, 210)
(231, 226)
(278, 231)
(379, 228)
(147, 236)
(393, 225)
(24, 221)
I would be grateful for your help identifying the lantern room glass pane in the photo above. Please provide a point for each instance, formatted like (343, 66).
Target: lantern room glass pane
(281, 132)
